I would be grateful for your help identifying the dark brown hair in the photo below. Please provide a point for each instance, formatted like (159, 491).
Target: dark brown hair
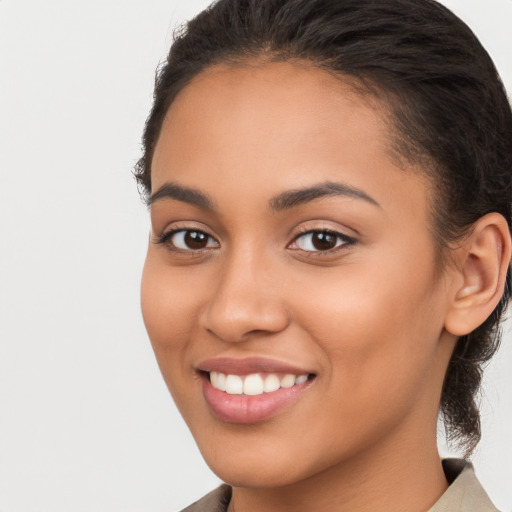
(448, 106)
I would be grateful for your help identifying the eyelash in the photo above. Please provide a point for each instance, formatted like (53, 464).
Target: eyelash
(346, 241)
(165, 239)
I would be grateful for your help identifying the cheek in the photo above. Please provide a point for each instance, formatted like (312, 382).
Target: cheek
(378, 326)
(169, 306)
(170, 309)
(170, 300)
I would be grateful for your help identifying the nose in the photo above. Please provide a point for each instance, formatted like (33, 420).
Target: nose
(245, 301)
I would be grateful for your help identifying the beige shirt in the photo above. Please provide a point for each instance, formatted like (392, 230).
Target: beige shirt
(465, 493)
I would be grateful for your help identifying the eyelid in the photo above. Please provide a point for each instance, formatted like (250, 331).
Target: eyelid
(165, 238)
(173, 232)
(169, 228)
(346, 239)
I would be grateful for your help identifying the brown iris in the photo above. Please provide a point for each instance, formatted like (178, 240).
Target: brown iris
(323, 241)
(196, 239)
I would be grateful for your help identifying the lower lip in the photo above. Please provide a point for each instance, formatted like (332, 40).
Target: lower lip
(250, 409)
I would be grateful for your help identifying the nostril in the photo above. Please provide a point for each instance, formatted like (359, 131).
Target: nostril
(240, 326)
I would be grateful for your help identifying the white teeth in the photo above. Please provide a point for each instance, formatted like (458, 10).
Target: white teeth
(218, 380)
(271, 383)
(234, 384)
(254, 384)
(288, 381)
(301, 379)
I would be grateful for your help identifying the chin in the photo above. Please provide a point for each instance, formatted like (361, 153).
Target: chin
(260, 473)
(248, 458)
(259, 458)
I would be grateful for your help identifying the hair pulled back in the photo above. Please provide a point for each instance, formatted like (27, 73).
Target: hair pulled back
(447, 103)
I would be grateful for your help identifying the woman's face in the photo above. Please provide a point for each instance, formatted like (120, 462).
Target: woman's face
(288, 245)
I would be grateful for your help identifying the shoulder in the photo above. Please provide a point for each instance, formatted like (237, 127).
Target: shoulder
(465, 493)
(215, 501)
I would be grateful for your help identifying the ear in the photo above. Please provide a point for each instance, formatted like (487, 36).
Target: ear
(482, 263)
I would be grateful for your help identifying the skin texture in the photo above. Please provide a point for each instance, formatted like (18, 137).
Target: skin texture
(374, 320)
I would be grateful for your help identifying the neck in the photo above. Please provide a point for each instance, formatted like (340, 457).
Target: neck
(409, 478)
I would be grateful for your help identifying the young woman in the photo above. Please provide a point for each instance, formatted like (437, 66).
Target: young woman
(330, 193)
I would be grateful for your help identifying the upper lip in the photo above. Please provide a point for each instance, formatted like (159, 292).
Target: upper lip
(249, 365)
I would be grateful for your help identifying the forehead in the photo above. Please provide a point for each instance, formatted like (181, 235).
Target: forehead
(272, 126)
(282, 91)
(295, 99)
(288, 79)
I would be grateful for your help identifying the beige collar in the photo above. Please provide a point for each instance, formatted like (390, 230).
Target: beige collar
(465, 493)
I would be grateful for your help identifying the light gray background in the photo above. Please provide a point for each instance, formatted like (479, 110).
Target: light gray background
(86, 424)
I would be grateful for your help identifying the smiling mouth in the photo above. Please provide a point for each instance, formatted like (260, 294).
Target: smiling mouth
(252, 397)
(255, 384)
(252, 389)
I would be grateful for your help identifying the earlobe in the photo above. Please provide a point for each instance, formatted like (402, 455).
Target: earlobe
(483, 261)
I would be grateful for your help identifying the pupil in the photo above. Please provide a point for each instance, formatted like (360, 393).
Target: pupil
(196, 239)
(324, 241)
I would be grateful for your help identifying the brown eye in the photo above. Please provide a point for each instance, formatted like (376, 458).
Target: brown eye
(323, 241)
(196, 239)
(192, 240)
(319, 241)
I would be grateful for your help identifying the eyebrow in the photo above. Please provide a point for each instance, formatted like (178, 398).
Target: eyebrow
(292, 198)
(283, 201)
(184, 194)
